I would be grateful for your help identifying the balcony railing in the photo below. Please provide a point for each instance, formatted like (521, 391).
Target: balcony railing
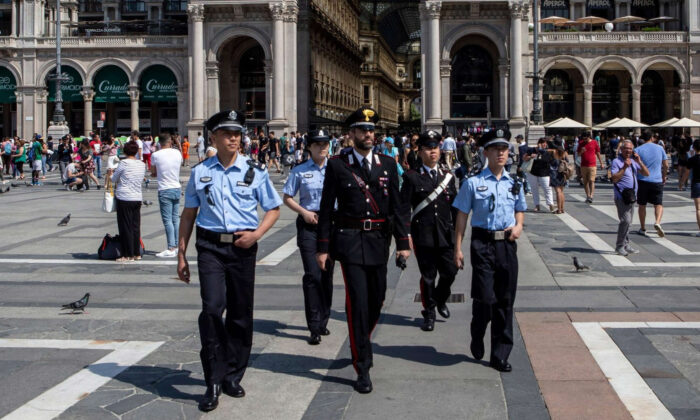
(612, 37)
(115, 41)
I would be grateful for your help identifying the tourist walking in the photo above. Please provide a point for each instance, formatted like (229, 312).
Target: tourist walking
(651, 188)
(166, 167)
(589, 150)
(538, 176)
(624, 171)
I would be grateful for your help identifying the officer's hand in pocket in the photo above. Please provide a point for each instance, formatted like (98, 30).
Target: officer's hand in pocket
(515, 232)
(183, 270)
(246, 239)
(322, 260)
(459, 259)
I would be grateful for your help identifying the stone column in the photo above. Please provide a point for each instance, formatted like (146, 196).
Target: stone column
(277, 11)
(430, 10)
(516, 64)
(624, 103)
(134, 97)
(291, 16)
(636, 101)
(684, 92)
(213, 104)
(15, 12)
(588, 104)
(40, 120)
(182, 110)
(503, 70)
(445, 74)
(88, 95)
(196, 13)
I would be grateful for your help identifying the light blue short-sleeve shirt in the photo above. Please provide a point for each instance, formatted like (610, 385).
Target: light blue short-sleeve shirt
(307, 180)
(226, 202)
(653, 157)
(491, 200)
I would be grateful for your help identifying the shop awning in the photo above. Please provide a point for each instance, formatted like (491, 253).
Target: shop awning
(158, 84)
(565, 123)
(8, 86)
(111, 84)
(70, 87)
(666, 123)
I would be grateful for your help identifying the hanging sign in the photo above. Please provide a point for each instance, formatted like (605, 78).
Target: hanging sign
(158, 84)
(8, 86)
(111, 84)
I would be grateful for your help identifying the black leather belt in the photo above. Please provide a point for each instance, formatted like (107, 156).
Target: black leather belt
(222, 238)
(490, 235)
(361, 224)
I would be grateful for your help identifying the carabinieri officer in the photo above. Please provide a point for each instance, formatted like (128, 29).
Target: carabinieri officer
(498, 205)
(358, 234)
(223, 194)
(430, 190)
(307, 180)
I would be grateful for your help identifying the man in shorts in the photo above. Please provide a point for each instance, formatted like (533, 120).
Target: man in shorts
(589, 149)
(651, 187)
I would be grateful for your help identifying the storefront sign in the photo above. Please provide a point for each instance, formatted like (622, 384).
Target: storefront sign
(70, 87)
(599, 4)
(555, 4)
(8, 85)
(111, 84)
(158, 84)
(643, 3)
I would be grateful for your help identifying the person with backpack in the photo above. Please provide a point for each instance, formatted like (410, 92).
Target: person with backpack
(36, 152)
(20, 158)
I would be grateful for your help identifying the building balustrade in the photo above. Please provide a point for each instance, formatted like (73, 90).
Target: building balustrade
(114, 41)
(612, 37)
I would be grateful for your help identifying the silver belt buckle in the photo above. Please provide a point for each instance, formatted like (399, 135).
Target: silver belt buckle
(226, 238)
(367, 225)
(499, 235)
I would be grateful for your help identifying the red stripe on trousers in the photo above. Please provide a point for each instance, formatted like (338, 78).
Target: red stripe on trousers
(348, 310)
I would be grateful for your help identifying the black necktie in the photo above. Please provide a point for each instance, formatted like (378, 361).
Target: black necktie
(433, 176)
(365, 167)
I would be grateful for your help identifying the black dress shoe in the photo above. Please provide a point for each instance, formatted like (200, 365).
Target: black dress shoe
(315, 339)
(363, 384)
(211, 398)
(443, 311)
(325, 331)
(428, 320)
(477, 348)
(501, 365)
(233, 390)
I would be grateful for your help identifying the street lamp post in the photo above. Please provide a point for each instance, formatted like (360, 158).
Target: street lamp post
(58, 126)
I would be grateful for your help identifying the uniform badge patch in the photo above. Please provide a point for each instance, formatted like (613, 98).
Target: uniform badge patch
(205, 179)
(482, 188)
(308, 175)
(241, 184)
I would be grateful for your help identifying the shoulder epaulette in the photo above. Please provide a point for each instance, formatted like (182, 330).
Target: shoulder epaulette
(255, 164)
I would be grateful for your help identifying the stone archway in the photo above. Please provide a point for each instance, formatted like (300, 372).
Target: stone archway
(244, 76)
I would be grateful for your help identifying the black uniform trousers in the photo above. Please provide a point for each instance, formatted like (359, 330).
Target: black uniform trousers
(494, 282)
(227, 281)
(317, 284)
(431, 262)
(365, 290)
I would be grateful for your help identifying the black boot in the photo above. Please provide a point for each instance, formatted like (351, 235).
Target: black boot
(211, 398)
(315, 339)
(233, 390)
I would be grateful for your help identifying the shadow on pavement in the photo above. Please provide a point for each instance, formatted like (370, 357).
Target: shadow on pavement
(161, 381)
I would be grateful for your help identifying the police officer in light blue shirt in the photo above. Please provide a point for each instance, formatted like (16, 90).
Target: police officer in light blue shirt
(307, 180)
(222, 197)
(497, 202)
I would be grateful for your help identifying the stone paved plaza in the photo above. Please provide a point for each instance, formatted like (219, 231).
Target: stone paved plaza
(619, 341)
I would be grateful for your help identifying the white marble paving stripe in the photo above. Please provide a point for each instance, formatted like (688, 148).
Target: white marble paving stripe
(635, 394)
(681, 198)
(59, 398)
(607, 251)
(281, 253)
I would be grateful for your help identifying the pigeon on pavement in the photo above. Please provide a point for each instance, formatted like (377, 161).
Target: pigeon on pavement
(4, 189)
(78, 304)
(579, 266)
(64, 221)
(147, 202)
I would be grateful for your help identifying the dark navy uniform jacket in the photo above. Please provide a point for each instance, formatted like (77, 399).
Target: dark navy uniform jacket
(355, 246)
(434, 225)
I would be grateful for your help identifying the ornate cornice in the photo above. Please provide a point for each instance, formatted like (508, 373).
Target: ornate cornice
(277, 11)
(517, 10)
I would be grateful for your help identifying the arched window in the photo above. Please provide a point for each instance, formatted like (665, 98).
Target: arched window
(252, 83)
(653, 97)
(558, 95)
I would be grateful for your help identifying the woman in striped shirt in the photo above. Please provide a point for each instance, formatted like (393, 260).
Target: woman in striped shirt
(128, 178)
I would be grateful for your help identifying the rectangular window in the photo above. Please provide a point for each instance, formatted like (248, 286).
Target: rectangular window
(365, 94)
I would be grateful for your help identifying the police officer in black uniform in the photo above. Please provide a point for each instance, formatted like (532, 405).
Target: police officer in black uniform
(358, 234)
(497, 201)
(222, 197)
(430, 190)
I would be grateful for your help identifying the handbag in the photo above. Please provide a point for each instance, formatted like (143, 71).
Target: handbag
(108, 203)
(110, 248)
(629, 196)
